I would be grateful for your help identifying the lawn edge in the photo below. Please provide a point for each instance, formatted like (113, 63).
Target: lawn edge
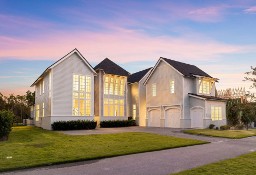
(96, 158)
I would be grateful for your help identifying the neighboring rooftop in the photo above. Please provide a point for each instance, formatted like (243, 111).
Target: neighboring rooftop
(207, 97)
(186, 69)
(109, 67)
(136, 77)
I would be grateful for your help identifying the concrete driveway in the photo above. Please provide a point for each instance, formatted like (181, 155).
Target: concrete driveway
(155, 130)
(153, 163)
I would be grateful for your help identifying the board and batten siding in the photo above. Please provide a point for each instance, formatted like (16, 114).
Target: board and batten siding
(62, 83)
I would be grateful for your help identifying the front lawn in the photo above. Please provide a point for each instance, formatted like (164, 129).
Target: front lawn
(233, 134)
(245, 164)
(31, 146)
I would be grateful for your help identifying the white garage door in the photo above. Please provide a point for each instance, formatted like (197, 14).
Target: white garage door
(172, 118)
(197, 118)
(154, 118)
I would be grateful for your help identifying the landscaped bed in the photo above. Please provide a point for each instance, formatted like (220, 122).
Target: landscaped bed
(244, 164)
(31, 146)
(233, 134)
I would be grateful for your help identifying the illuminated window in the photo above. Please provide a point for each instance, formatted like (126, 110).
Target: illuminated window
(106, 85)
(111, 107)
(111, 86)
(43, 110)
(172, 86)
(50, 81)
(216, 113)
(134, 112)
(37, 112)
(43, 87)
(154, 90)
(122, 87)
(116, 108)
(116, 86)
(106, 107)
(205, 86)
(121, 103)
(81, 95)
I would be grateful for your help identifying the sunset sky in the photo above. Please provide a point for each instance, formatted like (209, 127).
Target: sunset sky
(217, 36)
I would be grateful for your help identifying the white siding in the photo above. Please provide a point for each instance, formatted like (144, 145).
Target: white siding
(62, 83)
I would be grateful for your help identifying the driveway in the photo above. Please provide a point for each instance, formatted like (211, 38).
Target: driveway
(155, 130)
(152, 163)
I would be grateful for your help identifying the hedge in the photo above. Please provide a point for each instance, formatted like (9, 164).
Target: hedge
(6, 119)
(74, 125)
(117, 123)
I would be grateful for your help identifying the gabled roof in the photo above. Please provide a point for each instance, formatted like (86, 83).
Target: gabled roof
(136, 77)
(62, 59)
(206, 97)
(186, 69)
(109, 67)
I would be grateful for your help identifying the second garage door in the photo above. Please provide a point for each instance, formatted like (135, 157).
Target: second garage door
(172, 118)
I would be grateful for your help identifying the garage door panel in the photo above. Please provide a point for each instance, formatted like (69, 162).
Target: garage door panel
(172, 118)
(196, 118)
(154, 118)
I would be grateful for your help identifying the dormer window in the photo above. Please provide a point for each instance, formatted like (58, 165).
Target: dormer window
(205, 86)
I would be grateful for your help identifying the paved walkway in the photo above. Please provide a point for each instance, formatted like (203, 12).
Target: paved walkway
(153, 163)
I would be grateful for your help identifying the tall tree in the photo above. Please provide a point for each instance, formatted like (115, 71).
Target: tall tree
(251, 76)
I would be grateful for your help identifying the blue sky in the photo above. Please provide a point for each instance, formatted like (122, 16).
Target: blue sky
(217, 36)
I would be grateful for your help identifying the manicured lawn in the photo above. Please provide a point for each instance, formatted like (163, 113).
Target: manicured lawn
(242, 165)
(31, 146)
(233, 134)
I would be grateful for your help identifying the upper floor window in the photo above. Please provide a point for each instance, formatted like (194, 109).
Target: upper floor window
(43, 87)
(172, 86)
(154, 90)
(205, 86)
(216, 113)
(40, 88)
(114, 85)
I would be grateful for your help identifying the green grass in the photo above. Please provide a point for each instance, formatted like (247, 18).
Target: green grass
(232, 134)
(242, 165)
(31, 146)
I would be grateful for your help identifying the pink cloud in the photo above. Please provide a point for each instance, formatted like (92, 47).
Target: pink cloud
(250, 10)
(122, 46)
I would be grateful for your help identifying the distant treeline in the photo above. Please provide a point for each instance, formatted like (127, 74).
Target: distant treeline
(19, 105)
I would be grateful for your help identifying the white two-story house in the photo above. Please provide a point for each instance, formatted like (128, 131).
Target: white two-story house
(180, 95)
(65, 91)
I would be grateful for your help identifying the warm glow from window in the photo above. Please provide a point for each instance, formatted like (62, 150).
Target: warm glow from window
(134, 112)
(172, 86)
(81, 95)
(43, 110)
(205, 86)
(106, 85)
(116, 86)
(154, 90)
(40, 88)
(43, 87)
(37, 112)
(216, 113)
(111, 86)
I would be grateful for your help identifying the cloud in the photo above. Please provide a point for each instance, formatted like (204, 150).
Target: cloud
(121, 45)
(251, 10)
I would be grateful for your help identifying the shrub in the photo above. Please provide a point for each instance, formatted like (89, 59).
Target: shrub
(211, 126)
(217, 128)
(117, 123)
(74, 125)
(6, 120)
(224, 127)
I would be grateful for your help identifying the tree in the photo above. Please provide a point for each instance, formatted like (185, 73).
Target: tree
(251, 76)
(30, 98)
(6, 120)
(248, 114)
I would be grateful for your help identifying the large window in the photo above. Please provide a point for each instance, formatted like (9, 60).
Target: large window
(81, 95)
(216, 113)
(205, 86)
(114, 89)
(172, 86)
(154, 90)
(37, 112)
(43, 87)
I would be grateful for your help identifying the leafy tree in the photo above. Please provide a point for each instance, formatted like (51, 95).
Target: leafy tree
(233, 118)
(251, 76)
(248, 115)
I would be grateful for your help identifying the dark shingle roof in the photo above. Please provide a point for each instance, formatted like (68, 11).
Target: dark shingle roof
(208, 97)
(186, 69)
(136, 77)
(109, 67)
